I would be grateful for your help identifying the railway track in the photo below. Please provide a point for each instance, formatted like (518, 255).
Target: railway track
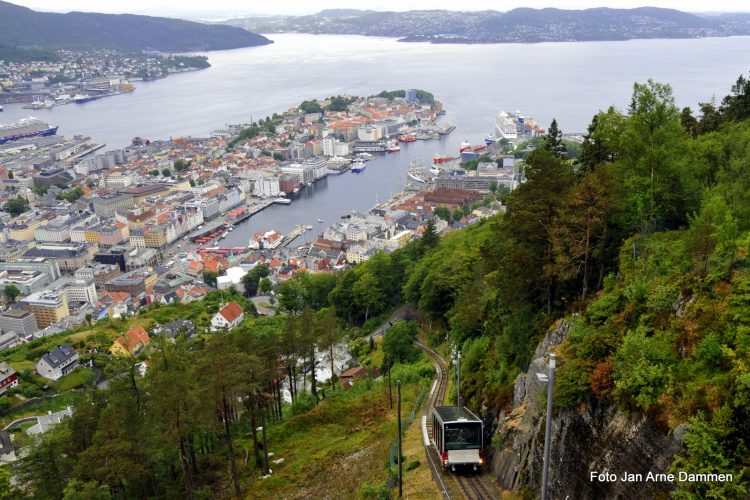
(470, 487)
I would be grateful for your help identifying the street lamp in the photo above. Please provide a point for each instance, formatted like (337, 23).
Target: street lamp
(550, 381)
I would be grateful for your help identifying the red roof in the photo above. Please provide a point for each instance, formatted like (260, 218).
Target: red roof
(231, 311)
(356, 372)
(135, 336)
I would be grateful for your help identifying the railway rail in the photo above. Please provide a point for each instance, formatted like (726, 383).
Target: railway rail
(470, 487)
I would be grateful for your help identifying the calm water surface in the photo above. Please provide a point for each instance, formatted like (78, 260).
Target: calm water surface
(568, 81)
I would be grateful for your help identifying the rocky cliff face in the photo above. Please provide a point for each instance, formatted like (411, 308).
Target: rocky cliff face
(592, 437)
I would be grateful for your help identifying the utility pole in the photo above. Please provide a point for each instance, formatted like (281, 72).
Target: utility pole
(458, 385)
(390, 391)
(548, 432)
(265, 447)
(400, 465)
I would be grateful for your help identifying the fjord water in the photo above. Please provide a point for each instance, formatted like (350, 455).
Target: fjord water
(568, 81)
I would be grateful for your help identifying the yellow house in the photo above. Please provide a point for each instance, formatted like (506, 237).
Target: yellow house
(130, 343)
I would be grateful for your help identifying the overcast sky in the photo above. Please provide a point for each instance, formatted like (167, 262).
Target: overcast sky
(221, 7)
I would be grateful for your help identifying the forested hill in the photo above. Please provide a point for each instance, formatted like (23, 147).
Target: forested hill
(23, 27)
(522, 25)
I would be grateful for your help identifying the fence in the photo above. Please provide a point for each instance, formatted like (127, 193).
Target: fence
(393, 453)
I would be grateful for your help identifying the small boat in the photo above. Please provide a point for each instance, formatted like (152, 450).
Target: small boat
(320, 220)
(392, 147)
(358, 166)
(366, 156)
(464, 146)
(1, 108)
(407, 138)
(489, 139)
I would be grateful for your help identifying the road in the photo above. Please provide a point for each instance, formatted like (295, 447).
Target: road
(405, 312)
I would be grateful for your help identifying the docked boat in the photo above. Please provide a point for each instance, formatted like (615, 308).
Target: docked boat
(281, 201)
(392, 147)
(407, 138)
(512, 126)
(464, 146)
(25, 128)
(489, 139)
(439, 159)
(365, 156)
(417, 172)
(81, 98)
(358, 166)
(445, 128)
(505, 126)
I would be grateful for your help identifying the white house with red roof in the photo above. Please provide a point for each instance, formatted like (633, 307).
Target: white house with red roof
(228, 317)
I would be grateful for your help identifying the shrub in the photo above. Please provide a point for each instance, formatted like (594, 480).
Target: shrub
(376, 491)
(304, 402)
(609, 304)
(642, 366)
(572, 383)
(412, 465)
(601, 379)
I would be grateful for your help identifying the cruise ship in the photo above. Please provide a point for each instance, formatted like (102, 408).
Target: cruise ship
(505, 126)
(24, 128)
(512, 126)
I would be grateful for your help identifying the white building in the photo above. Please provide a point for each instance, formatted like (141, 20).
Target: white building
(80, 290)
(228, 317)
(233, 277)
(58, 362)
(120, 180)
(369, 133)
(334, 147)
(267, 187)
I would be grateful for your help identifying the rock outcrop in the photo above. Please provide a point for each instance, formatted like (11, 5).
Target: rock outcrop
(592, 437)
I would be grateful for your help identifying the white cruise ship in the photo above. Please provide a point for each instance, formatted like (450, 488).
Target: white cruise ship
(506, 127)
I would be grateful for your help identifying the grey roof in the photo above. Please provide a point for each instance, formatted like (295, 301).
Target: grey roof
(455, 413)
(59, 355)
(172, 328)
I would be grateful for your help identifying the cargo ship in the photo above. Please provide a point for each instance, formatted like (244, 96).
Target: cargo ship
(438, 159)
(25, 128)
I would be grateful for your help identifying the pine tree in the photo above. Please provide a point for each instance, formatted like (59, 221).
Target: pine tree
(553, 140)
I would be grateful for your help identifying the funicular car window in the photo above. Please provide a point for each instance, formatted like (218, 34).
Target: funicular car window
(463, 436)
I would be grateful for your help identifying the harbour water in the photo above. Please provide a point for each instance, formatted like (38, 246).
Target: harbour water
(568, 81)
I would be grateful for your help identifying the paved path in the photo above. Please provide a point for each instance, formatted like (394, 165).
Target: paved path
(405, 312)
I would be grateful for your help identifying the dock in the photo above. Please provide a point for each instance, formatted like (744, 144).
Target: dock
(295, 233)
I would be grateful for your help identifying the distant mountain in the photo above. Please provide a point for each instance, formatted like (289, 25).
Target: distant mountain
(22, 27)
(523, 25)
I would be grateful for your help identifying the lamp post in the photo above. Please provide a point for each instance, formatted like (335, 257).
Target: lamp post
(458, 385)
(400, 465)
(550, 380)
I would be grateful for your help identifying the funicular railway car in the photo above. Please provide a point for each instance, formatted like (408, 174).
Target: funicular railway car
(458, 436)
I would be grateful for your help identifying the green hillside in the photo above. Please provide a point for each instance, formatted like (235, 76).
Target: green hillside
(22, 27)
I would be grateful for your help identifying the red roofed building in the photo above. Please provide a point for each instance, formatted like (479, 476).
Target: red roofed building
(228, 317)
(131, 343)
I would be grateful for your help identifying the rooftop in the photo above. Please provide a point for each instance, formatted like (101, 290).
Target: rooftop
(455, 413)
